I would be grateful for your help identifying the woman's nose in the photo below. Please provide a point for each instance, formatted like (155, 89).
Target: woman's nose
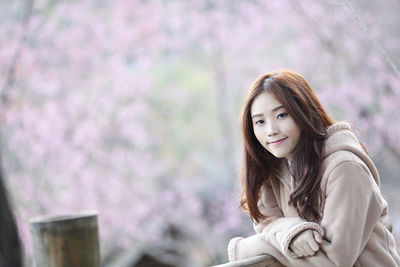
(271, 129)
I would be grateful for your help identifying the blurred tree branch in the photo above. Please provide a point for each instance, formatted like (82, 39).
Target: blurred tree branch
(10, 74)
(377, 45)
(329, 44)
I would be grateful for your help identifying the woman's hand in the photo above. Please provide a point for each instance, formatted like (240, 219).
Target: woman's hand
(306, 243)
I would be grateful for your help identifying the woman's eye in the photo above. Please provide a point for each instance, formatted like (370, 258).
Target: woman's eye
(282, 115)
(259, 122)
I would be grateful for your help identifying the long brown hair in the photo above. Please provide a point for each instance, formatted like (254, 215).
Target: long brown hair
(259, 165)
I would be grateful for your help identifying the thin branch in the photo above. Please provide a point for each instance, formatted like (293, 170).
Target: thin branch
(374, 41)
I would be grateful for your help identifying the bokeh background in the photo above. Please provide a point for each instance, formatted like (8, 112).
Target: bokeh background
(131, 108)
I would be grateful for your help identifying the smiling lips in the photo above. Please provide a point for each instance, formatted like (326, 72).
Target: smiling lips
(280, 141)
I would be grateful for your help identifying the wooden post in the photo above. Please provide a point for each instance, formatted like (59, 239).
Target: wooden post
(66, 240)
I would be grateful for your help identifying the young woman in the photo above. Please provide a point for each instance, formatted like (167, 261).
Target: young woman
(308, 184)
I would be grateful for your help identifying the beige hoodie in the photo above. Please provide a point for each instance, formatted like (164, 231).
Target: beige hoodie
(354, 212)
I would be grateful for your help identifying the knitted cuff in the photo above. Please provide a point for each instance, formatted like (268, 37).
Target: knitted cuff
(233, 248)
(286, 237)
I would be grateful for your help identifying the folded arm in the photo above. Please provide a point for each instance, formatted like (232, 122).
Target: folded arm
(352, 208)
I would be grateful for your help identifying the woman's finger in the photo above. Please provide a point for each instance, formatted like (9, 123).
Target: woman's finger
(302, 251)
(313, 245)
(317, 237)
(296, 251)
(308, 249)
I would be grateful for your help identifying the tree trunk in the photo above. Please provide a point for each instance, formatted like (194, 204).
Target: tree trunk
(66, 241)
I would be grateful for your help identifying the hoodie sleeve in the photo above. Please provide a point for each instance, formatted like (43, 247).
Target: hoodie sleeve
(275, 222)
(275, 228)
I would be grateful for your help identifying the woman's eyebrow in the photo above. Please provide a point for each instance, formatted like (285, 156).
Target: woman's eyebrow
(273, 110)
(278, 107)
(256, 115)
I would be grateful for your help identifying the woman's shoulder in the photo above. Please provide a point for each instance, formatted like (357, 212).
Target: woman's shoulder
(340, 158)
(340, 137)
(343, 150)
(341, 145)
(347, 167)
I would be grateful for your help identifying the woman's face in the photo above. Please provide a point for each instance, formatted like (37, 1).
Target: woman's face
(273, 127)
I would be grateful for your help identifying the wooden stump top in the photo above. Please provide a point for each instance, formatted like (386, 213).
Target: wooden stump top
(63, 218)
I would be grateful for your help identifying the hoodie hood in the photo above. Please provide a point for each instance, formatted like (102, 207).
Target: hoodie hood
(339, 137)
